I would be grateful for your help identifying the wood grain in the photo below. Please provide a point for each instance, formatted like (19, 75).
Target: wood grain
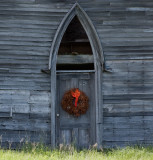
(27, 30)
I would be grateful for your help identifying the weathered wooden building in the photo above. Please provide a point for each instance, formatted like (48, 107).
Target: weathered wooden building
(102, 47)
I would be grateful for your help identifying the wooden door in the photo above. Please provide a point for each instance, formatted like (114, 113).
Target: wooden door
(78, 131)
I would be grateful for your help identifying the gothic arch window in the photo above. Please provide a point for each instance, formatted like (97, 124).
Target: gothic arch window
(75, 52)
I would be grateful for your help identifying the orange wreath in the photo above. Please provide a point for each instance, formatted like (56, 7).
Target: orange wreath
(75, 102)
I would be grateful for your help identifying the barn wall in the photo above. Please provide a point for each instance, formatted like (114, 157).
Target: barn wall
(27, 29)
(26, 32)
(125, 30)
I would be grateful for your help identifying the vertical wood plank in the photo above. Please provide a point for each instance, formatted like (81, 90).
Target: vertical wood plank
(75, 135)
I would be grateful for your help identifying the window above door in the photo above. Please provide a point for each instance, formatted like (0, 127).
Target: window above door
(75, 51)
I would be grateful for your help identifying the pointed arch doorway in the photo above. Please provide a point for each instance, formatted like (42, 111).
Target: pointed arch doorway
(85, 130)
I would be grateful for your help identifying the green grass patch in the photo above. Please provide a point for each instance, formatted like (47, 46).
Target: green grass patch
(40, 152)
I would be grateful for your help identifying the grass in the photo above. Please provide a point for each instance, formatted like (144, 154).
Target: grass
(40, 152)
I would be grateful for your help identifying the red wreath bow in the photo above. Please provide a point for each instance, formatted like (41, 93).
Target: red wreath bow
(76, 95)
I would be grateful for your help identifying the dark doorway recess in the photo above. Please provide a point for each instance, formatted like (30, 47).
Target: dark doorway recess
(75, 51)
(75, 40)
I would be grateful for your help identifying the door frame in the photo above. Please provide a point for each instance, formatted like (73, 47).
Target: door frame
(95, 43)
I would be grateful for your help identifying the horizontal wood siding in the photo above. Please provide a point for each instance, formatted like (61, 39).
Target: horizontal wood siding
(125, 30)
(27, 29)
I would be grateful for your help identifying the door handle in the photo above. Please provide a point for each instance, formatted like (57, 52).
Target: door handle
(57, 115)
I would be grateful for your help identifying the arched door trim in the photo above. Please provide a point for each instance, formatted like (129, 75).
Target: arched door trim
(95, 43)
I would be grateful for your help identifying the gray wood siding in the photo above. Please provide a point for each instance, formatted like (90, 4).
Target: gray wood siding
(26, 33)
(27, 29)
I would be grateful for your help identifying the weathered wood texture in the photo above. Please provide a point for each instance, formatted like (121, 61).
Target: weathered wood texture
(81, 130)
(75, 59)
(26, 33)
(27, 29)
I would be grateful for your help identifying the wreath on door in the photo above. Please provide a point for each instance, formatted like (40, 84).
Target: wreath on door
(75, 102)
